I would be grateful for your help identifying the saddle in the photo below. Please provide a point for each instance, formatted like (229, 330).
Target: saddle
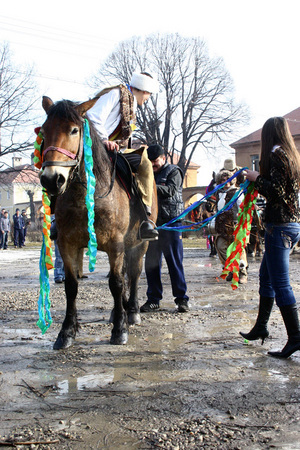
(125, 173)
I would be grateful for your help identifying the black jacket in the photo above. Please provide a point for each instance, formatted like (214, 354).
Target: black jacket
(169, 192)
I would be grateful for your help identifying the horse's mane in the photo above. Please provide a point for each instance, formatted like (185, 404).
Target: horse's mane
(65, 110)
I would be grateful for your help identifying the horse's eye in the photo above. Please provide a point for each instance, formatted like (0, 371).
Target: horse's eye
(74, 131)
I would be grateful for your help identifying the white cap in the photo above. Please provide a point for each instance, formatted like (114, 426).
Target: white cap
(144, 83)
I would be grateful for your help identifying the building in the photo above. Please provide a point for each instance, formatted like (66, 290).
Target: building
(247, 149)
(20, 188)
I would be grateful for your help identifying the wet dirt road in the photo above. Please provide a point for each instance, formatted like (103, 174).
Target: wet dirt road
(183, 380)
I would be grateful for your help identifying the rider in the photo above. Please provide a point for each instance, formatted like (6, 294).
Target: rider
(113, 116)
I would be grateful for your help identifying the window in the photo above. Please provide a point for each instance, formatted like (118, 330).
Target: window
(8, 195)
(255, 162)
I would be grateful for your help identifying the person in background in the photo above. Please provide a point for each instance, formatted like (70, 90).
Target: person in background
(59, 270)
(226, 221)
(210, 207)
(1, 235)
(4, 230)
(168, 178)
(230, 165)
(19, 226)
(114, 117)
(278, 181)
(27, 222)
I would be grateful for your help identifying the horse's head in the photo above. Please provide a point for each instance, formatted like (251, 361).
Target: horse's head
(63, 142)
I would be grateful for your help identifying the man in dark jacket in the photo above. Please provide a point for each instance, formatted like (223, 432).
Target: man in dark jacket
(168, 178)
(19, 226)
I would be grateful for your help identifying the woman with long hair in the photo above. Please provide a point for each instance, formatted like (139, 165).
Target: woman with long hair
(278, 181)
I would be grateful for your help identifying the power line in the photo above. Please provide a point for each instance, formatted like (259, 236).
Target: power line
(55, 50)
(47, 31)
(52, 39)
(86, 45)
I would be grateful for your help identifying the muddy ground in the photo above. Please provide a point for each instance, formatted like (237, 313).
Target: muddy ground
(183, 380)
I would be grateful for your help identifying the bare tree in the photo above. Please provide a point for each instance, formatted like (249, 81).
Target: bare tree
(17, 91)
(195, 108)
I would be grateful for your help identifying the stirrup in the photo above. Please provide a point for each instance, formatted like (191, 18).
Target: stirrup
(147, 232)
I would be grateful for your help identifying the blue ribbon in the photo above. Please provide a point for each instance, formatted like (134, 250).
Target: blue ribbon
(203, 223)
(44, 303)
(90, 192)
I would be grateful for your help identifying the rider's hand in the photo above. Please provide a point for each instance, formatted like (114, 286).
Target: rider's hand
(111, 145)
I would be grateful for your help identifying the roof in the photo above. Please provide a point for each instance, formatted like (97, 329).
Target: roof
(25, 173)
(293, 119)
(192, 165)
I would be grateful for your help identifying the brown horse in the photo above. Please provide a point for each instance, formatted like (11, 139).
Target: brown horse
(117, 217)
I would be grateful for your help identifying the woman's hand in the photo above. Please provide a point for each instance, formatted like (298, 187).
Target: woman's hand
(251, 175)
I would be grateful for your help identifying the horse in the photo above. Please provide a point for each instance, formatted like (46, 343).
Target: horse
(117, 217)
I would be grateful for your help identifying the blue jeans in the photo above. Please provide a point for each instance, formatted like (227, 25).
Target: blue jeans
(18, 237)
(274, 275)
(170, 245)
(59, 271)
(4, 240)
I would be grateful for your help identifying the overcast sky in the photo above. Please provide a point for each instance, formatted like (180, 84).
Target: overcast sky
(66, 41)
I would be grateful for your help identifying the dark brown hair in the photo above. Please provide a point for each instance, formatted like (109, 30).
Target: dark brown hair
(276, 132)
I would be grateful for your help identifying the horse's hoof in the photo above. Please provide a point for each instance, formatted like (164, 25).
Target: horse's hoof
(134, 318)
(119, 339)
(63, 342)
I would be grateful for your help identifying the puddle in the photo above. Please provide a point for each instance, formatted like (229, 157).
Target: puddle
(91, 381)
(274, 374)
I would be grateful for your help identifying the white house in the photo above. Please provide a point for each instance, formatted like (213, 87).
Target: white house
(20, 188)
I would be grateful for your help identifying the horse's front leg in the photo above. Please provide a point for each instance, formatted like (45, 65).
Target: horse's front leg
(119, 334)
(70, 325)
(134, 265)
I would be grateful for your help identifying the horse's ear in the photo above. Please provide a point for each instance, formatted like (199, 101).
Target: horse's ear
(47, 103)
(84, 107)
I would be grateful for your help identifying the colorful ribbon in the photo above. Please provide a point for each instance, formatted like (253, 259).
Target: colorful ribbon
(197, 226)
(46, 262)
(90, 192)
(44, 304)
(37, 157)
(241, 233)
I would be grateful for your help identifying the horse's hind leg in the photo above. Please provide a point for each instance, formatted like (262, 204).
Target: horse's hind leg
(119, 334)
(69, 327)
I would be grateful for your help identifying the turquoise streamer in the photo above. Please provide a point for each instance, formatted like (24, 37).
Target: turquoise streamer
(89, 198)
(44, 303)
(199, 225)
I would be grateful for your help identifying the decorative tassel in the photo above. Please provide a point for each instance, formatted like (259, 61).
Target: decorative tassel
(89, 198)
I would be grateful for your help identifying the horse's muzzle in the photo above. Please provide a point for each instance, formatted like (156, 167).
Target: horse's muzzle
(54, 184)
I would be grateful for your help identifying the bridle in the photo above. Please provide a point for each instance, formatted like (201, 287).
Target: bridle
(75, 162)
(75, 159)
